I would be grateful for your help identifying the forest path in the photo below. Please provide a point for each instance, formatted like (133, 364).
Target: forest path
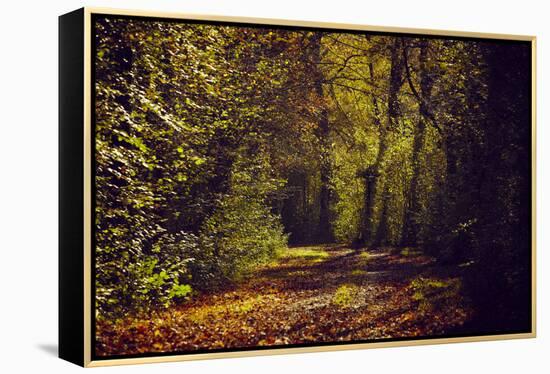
(311, 294)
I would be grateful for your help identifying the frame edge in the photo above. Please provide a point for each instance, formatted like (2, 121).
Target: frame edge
(71, 107)
(86, 203)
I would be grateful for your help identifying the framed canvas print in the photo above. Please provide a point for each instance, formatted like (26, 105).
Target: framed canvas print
(234, 186)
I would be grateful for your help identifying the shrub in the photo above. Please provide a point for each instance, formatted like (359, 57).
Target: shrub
(242, 233)
(136, 280)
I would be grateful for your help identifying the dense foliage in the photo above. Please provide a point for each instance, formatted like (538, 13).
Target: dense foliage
(218, 145)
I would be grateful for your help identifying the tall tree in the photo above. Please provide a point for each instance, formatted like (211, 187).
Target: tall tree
(380, 187)
(373, 173)
(411, 224)
(324, 229)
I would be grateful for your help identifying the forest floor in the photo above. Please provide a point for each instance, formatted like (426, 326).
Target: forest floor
(312, 294)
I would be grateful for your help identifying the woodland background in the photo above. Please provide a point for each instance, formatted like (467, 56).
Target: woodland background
(40, 336)
(216, 147)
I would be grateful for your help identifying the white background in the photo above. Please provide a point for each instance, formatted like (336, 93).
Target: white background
(28, 184)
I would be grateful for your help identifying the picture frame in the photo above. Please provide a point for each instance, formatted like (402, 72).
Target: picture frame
(93, 332)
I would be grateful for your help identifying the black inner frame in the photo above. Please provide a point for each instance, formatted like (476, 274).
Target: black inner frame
(95, 16)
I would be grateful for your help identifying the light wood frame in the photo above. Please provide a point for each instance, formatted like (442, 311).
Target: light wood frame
(76, 346)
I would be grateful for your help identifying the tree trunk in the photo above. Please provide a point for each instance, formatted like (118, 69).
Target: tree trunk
(411, 224)
(324, 229)
(371, 174)
(395, 83)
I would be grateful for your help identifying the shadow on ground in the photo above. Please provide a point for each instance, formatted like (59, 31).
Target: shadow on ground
(345, 266)
(50, 349)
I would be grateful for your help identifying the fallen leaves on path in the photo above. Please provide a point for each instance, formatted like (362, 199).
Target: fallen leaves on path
(311, 295)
